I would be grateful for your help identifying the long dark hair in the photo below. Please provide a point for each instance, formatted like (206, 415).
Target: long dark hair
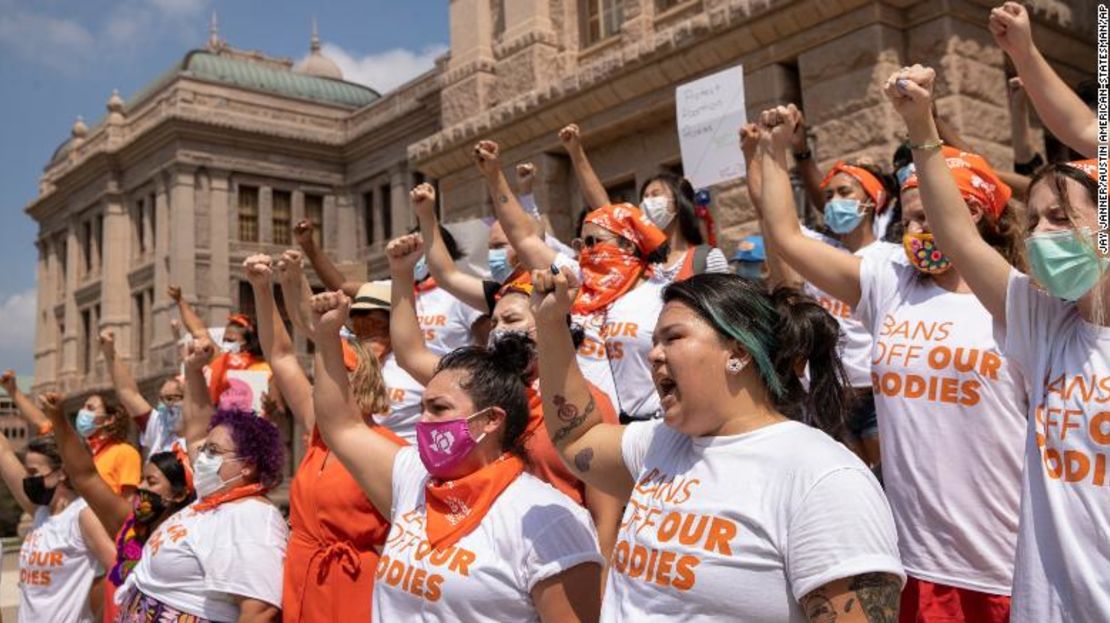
(170, 465)
(782, 332)
(496, 376)
(683, 193)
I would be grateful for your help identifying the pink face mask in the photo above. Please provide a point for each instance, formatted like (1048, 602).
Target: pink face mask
(443, 445)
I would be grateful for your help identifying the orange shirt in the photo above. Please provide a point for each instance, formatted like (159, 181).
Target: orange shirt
(330, 559)
(119, 464)
(544, 461)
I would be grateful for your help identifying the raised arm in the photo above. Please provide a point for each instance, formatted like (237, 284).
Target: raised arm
(28, 410)
(1059, 108)
(197, 409)
(321, 263)
(112, 510)
(827, 268)
(590, 448)
(950, 221)
(296, 293)
(367, 455)
(779, 272)
(126, 388)
(290, 379)
(189, 316)
(467, 288)
(519, 228)
(596, 196)
(12, 472)
(807, 166)
(404, 328)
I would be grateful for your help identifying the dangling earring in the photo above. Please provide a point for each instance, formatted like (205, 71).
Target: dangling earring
(734, 365)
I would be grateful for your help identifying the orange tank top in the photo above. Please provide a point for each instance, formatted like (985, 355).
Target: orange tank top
(331, 556)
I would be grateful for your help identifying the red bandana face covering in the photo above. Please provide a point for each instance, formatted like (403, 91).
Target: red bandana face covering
(607, 273)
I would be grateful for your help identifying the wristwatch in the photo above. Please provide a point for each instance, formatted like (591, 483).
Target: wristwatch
(1029, 168)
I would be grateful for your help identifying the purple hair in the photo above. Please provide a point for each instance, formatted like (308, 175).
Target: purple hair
(257, 441)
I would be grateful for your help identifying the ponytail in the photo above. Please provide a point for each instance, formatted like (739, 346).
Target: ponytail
(808, 335)
(497, 376)
(782, 333)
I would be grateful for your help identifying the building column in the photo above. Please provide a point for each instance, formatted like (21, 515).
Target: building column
(163, 308)
(44, 297)
(183, 239)
(330, 234)
(346, 243)
(403, 218)
(265, 215)
(72, 318)
(845, 108)
(115, 303)
(297, 206)
(470, 80)
(219, 272)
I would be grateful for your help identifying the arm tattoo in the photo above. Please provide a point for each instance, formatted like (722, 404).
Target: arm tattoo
(872, 596)
(818, 607)
(878, 594)
(582, 460)
(503, 199)
(568, 413)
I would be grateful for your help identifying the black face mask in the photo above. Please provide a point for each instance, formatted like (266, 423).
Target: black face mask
(149, 506)
(34, 487)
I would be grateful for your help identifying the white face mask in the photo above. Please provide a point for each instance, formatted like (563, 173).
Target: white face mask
(206, 474)
(658, 210)
(233, 347)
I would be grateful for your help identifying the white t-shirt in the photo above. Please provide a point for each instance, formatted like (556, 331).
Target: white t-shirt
(951, 415)
(198, 562)
(160, 433)
(532, 532)
(855, 345)
(56, 568)
(444, 319)
(617, 344)
(742, 527)
(405, 396)
(1063, 552)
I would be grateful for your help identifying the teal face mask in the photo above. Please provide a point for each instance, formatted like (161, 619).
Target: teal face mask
(1064, 262)
(842, 215)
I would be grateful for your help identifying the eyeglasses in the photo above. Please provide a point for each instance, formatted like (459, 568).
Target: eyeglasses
(213, 450)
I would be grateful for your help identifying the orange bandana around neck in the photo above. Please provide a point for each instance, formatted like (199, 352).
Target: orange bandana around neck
(426, 285)
(456, 507)
(230, 495)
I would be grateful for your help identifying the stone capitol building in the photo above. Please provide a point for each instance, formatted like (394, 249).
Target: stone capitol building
(219, 156)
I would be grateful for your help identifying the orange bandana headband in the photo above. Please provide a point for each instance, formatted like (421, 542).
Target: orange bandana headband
(628, 222)
(1090, 167)
(871, 184)
(242, 320)
(519, 283)
(975, 179)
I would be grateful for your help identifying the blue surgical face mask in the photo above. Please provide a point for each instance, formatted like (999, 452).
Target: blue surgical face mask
(171, 415)
(420, 271)
(904, 174)
(843, 215)
(1065, 262)
(499, 267)
(85, 423)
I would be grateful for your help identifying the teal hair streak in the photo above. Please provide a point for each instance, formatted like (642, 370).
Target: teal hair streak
(759, 343)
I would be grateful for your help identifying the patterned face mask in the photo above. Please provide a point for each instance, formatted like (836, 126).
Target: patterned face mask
(923, 254)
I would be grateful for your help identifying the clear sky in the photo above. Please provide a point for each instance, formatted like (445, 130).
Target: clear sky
(62, 58)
